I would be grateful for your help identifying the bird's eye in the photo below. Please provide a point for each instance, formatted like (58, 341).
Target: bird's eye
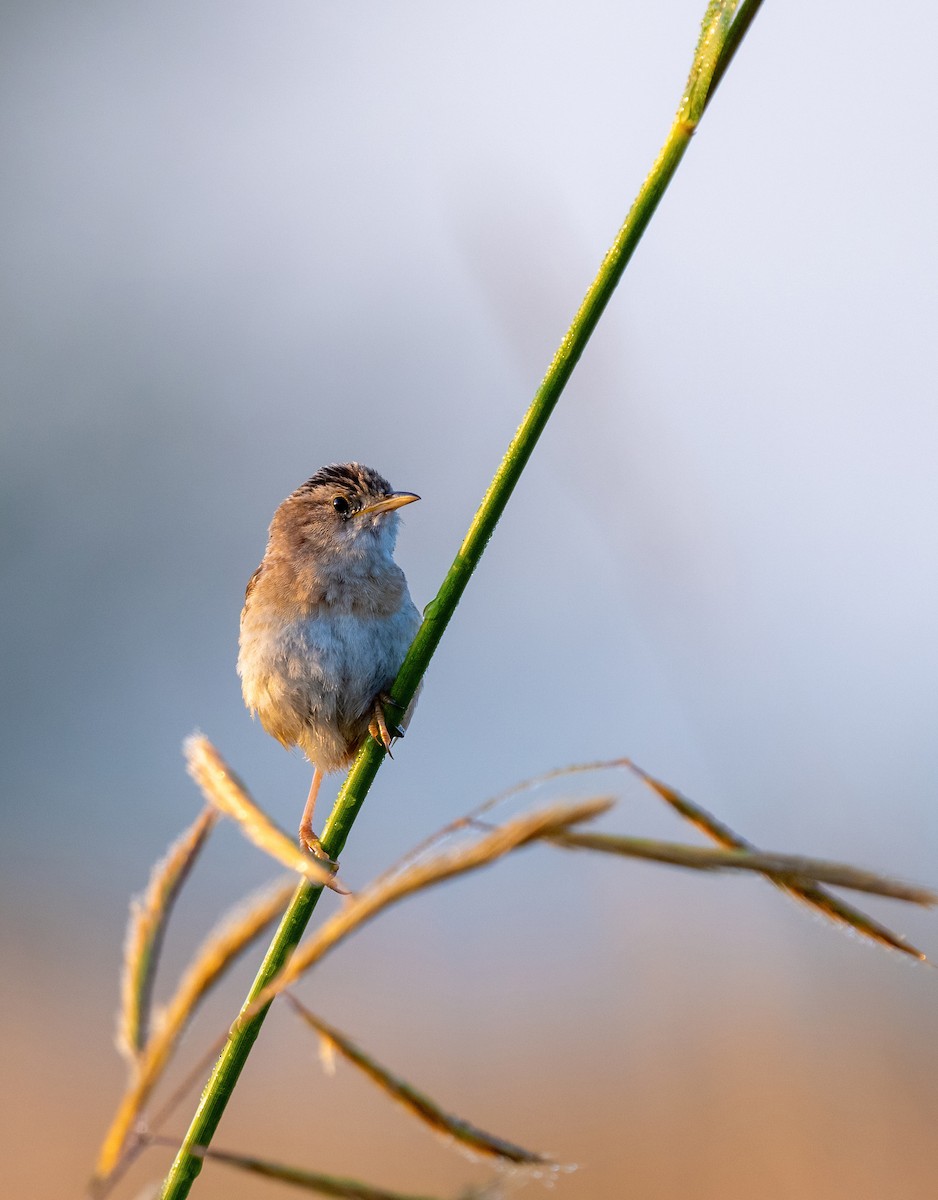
(342, 506)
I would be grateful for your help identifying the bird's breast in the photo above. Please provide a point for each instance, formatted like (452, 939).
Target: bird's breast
(315, 676)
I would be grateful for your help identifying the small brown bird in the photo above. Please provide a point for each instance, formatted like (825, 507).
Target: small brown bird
(327, 620)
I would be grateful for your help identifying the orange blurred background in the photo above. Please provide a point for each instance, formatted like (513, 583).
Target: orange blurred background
(243, 242)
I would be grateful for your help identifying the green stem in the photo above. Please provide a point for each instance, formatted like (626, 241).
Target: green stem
(738, 30)
(716, 36)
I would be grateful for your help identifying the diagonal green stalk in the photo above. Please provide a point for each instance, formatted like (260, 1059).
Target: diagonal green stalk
(720, 36)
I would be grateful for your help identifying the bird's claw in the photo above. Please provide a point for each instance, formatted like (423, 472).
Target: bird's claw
(380, 730)
(309, 841)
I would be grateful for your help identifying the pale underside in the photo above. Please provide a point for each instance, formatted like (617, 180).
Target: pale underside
(313, 680)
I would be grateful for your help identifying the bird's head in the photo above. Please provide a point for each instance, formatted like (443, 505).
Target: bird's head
(344, 511)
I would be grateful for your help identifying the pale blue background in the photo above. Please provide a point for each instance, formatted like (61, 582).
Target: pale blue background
(241, 241)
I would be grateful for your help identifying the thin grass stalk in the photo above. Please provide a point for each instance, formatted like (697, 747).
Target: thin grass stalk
(235, 933)
(745, 16)
(388, 890)
(224, 790)
(787, 870)
(813, 895)
(310, 1181)
(149, 915)
(418, 1103)
(438, 613)
(146, 1132)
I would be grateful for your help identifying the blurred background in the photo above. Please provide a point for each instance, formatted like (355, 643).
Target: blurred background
(242, 241)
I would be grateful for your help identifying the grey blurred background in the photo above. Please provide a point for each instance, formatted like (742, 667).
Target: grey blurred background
(241, 241)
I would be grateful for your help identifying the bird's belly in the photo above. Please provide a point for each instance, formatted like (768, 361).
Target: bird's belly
(313, 681)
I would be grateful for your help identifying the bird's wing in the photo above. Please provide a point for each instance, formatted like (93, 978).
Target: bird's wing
(250, 588)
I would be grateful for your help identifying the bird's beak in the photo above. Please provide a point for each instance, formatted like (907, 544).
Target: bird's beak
(395, 500)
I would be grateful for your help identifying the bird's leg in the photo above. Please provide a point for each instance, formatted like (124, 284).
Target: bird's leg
(307, 837)
(379, 728)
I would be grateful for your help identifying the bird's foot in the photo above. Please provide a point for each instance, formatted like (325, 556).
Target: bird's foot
(380, 730)
(309, 841)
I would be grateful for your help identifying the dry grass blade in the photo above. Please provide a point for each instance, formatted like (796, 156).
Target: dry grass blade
(145, 1134)
(223, 789)
(234, 934)
(784, 869)
(516, 789)
(149, 913)
(813, 895)
(312, 1181)
(388, 890)
(190, 1081)
(417, 1102)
